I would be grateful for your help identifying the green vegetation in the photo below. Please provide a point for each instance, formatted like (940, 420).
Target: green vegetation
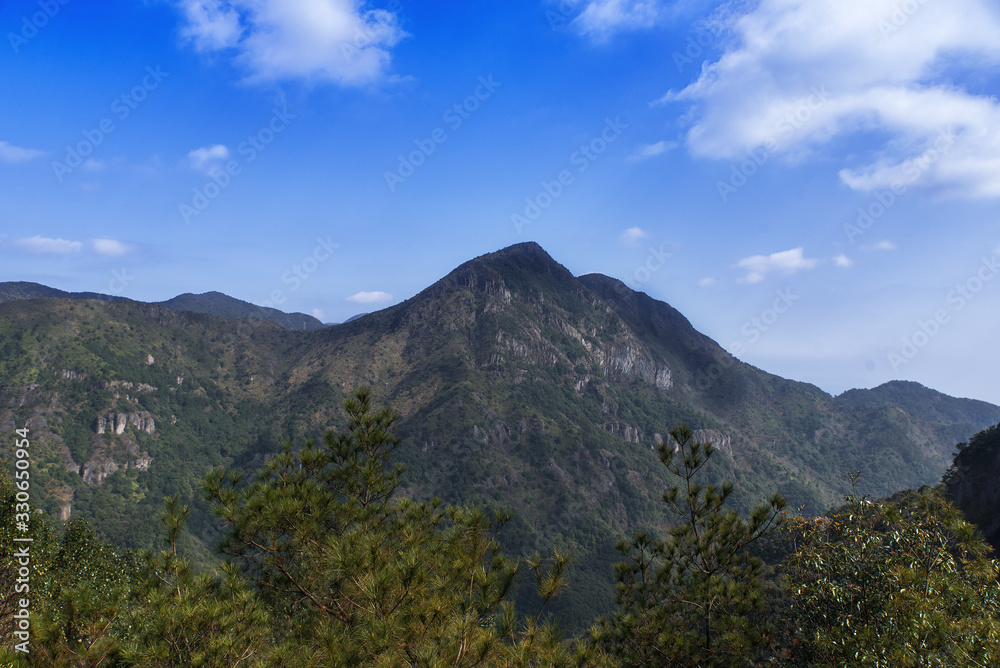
(696, 597)
(903, 582)
(325, 564)
(519, 387)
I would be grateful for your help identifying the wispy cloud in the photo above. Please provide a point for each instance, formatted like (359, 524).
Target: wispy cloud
(801, 74)
(15, 154)
(336, 41)
(843, 261)
(884, 245)
(787, 262)
(706, 282)
(651, 150)
(204, 159)
(632, 237)
(370, 297)
(109, 247)
(600, 19)
(46, 245)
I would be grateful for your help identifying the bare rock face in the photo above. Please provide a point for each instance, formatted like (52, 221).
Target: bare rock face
(96, 472)
(65, 511)
(718, 440)
(713, 437)
(101, 465)
(626, 432)
(633, 361)
(117, 422)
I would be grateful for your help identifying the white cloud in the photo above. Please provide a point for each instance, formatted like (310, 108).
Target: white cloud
(337, 41)
(14, 154)
(652, 150)
(205, 158)
(109, 247)
(602, 18)
(631, 237)
(843, 261)
(370, 297)
(211, 24)
(884, 245)
(318, 314)
(706, 282)
(787, 262)
(41, 245)
(92, 165)
(803, 73)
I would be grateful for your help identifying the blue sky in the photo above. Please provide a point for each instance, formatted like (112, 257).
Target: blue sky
(813, 183)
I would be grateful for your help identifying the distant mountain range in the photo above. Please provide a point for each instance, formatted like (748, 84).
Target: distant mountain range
(518, 384)
(210, 303)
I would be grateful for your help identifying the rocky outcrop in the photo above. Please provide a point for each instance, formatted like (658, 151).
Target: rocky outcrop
(102, 464)
(718, 440)
(96, 472)
(115, 423)
(634, 362)
(626, 432)
(124, 389)
(714, 437)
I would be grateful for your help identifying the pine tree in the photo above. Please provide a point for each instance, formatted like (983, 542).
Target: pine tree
(696, 597)
(213, 620)
(355, 575)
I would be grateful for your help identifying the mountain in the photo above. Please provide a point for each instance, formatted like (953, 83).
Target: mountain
(224, 306)
(916, 399)
(518, 384)
(23, 290)
(211, 303)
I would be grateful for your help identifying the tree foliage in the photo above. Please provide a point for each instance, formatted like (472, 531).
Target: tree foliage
(902, 582)
(357, 576)
(696, 597)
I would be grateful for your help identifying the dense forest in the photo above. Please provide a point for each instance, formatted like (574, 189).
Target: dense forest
(323, 562)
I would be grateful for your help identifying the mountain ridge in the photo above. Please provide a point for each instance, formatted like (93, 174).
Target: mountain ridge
(210, 303)
(518, 385)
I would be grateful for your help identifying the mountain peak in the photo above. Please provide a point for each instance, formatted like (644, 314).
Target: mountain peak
(527, 257)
